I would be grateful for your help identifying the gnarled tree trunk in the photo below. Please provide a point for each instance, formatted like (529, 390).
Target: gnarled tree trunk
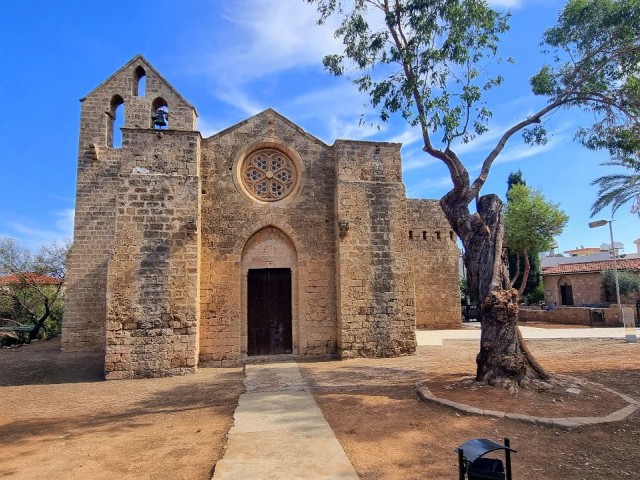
(503, 358)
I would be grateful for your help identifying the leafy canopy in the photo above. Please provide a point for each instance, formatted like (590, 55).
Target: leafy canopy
(595, 50)
(31, 286)
(617, 189)
(531, 221)
(628, 282)
(427, 61)
(431, 61)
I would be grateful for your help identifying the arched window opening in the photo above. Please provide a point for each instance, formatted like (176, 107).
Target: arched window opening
(424, 234)
(437, 235)
(115, 122)
(410, 234)
(140, 84)
(160, 116)
(451, 235)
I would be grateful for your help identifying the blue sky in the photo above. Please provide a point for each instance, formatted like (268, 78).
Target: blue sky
(232, 59)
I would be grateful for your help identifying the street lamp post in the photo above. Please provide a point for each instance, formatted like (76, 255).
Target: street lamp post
(600, 223)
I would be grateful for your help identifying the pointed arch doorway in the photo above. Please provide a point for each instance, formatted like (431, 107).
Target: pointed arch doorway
(269, 266)
(269, 320)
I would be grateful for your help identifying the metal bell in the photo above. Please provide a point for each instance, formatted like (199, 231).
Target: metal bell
(160, 118)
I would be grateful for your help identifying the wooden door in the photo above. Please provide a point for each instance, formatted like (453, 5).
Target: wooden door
(269, 311)
(566, 294)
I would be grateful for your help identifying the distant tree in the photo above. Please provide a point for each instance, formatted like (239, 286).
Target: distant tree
(31, 287)
(515, 178)
(617, 189)
(431, 61)
(516, 264)
(531, 223)
(515, 259)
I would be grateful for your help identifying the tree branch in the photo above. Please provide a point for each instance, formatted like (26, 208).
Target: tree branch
(486, 165)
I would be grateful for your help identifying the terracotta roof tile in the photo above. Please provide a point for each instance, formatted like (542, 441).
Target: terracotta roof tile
(590, 267)
(29, 278)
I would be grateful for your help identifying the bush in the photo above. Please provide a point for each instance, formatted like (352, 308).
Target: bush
(629, 282)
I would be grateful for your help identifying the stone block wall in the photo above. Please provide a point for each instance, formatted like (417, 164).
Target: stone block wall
(99, 169)
(376, 313)
(152, 307)
(435, 257)
(573, 315)
(586, 287)
(303, 224)
(168, 227)
(83, 328)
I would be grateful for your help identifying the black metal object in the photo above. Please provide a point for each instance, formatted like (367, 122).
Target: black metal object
(269, 316)
(470, 312)
(473, 466)
(596, 317)
(160, 118)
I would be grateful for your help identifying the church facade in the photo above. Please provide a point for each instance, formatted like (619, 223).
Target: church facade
(259, 240)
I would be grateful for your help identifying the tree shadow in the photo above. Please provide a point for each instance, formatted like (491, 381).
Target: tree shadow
(44, 363)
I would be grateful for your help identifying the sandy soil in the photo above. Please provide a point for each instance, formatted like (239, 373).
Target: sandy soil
(59, 420)
(388, 433)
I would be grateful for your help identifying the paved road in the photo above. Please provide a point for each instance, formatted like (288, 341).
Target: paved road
(472, 332)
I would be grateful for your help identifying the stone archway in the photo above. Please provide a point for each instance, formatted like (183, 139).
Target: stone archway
(565, 291)
(269, 278)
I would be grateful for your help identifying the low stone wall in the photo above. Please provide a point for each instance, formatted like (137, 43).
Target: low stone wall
(572, 315)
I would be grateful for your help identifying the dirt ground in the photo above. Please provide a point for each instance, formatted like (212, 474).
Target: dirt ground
(59, 420)
(388, 433)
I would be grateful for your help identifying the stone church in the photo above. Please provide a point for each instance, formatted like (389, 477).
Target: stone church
(258, 240)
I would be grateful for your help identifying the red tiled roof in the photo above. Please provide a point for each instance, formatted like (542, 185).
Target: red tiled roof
(590, 267)
(36, 278)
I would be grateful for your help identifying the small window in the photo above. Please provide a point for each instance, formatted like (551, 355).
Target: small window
(115, 122)
(160, 114)
(450, 234)
(437, 235)
(410, 234)
(140, 82)
(424, 234)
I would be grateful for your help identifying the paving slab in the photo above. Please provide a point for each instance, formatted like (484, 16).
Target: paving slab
(279, 432)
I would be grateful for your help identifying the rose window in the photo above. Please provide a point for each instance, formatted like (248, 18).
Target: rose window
(269, 175)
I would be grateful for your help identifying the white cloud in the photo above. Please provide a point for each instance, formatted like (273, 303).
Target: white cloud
(421, 188)
(208, 127)
(525, 151)
(505, 3)
(416, 159)
(408, 137)
(270, 37)
(340, 100)
(59, 230)
(350, 129)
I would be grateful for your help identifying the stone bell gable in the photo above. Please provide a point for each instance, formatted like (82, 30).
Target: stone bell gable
(259, 240)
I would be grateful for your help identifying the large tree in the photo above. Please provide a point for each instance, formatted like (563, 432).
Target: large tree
(531, 223)
(430, 62)
(31, 286)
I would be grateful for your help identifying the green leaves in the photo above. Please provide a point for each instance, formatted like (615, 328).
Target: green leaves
(629, 282)
(531, 221)
(618, 189)
(423, 59)
(596, 51)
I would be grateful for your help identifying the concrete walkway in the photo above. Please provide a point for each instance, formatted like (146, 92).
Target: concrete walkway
(279, 432)
(472, 332)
